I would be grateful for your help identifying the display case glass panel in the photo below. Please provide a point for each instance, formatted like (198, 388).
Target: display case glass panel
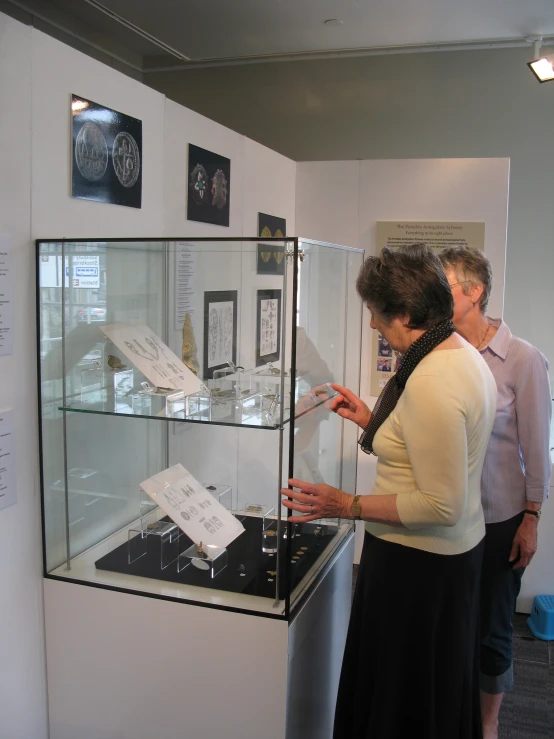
(183, 352)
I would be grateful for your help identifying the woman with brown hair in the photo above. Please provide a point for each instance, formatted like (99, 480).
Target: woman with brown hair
(517, 468)
(409, 666)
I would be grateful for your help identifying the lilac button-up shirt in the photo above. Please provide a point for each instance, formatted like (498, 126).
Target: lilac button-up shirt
(517, 464)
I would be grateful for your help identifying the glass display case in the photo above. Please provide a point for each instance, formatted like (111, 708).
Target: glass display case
(203, 365)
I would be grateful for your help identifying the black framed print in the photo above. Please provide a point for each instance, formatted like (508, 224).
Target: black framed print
(269, 226)
(220, 330)
(268, 326)
(271, 257)
(209, 187)
(106, 154)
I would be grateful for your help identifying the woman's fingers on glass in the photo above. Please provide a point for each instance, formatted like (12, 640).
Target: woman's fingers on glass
(305, 487)
(347, 394)
(298, 497)
(290, 504)
(336, 403)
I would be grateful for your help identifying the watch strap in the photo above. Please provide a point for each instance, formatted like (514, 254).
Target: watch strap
(537, 514)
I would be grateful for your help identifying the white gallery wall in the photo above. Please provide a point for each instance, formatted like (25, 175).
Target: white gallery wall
(343, 201)
(37, 76)
(22, 669)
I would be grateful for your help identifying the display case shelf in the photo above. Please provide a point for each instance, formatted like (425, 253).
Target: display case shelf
(258, 418)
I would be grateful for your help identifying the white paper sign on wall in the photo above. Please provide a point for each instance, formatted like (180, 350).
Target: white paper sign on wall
(6, 296)
(8, 486)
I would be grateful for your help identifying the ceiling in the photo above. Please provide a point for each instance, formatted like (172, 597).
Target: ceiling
(190, 33)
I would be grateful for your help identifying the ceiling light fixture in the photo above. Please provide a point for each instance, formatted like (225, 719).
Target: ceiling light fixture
(333, 22)
(542, 67)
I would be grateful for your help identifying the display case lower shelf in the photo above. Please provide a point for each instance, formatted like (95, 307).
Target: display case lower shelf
(249, 569)
(84, 570)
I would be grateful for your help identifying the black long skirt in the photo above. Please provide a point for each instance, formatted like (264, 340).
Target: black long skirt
(410, 667)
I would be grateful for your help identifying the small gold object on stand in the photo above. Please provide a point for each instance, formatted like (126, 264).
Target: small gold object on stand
(189, 351)
(115, 362)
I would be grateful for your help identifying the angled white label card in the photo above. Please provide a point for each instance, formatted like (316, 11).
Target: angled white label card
(148, 353)
(193, 508)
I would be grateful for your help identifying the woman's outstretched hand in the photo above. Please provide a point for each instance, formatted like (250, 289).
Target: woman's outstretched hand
(349, 406)
(315, 501)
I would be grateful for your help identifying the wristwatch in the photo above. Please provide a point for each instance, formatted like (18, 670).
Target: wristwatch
(537, 514)
(356, 510)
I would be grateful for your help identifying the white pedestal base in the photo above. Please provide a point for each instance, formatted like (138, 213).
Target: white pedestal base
(123, 666)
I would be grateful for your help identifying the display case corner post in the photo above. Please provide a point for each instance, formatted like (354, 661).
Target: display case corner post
(166, 245)
(64, 417)
(293, 323)
(39, 393)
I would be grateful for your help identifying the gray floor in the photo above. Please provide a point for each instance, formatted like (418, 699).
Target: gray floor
(528, 711)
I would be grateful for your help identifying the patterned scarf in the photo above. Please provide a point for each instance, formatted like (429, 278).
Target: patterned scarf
(395, 386)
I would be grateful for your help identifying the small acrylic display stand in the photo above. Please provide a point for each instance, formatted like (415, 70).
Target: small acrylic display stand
(227, 377)
(267, 381)
(270, 534)
(271, 406)
(223, 493)
(122, 382)
(168, 535)
(235, 404)
(171, 539)
(141, 403)
(92, 384)
(295, 531)
(210, 557)
(269, 371)
(175, 404)
(249, 405)
(206, 557)
(233, 384)
(198, 407)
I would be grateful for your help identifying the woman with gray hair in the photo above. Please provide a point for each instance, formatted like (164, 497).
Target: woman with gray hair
(410, 661)
(516, 472)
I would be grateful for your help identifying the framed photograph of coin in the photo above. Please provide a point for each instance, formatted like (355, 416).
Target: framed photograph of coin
(271, 256)
(106, 154)
(209, 187)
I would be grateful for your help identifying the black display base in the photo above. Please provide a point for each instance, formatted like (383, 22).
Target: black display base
(248, 567)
